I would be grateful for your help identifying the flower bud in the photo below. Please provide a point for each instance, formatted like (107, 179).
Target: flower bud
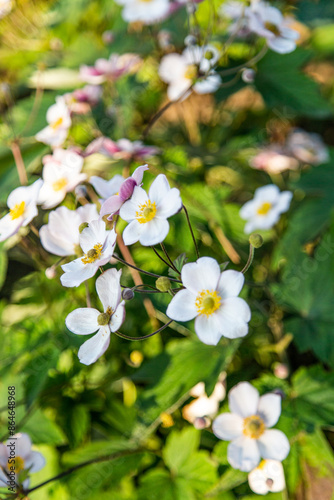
(248, 75)
(190, 40)
(103, 319)
(83, 226)
(163, 284)
(256, 240)
(127, 294)
(50, 273)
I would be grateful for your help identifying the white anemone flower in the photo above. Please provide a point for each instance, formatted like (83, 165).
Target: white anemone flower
(211, 297)
(98, 246)
(268, 22)
(87, 320)
(145, 11)
(59, 119)
(147, 214)
(104, 188)
(267, 477)
(307, 147)
(248, 428)
(61, 174)
(202, 409)
(191, 68)
(22, 209)
(17, 459)
(60, 236)
(264, 210)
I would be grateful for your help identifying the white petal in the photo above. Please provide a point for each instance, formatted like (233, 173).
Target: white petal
(104, 188)
(201, 275)
(8, 226)
(87, 213)
(170, 204)
(132, 232)
(108, 288)
(209, 328)
(234, 315)
(228, 426)
(182, 306)
(128, 210)
(172, 67)
(159, 189)
(83, 321)
(93, 234)
(118, 317)
(208, 85)
(76, 273)
(268, 469)
(284, 201)
(274, 444)
(243, 454)
(230, 283)
(243, 399)
(37, 461)
(54, 245)
(153, 232)
(281, 45)
(248, 210)
(139, 196)
(269, 409)
(269, 193)
(199, 408)
(22, 445)
(93, 348)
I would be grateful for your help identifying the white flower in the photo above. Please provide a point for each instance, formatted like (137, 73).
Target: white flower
(26, 460)
(147, 11)
(306, 147)
(264, 210)
(59, 120)
(22, 204)
(98, 246)
(60, 236)
(61, 174)
(247, 428)
(267, 477)
(268, 22)
(87, 320)
(192, 67)
(212, 298)
(5, 7)
(148, 214)
(104, 188)
(202, 409)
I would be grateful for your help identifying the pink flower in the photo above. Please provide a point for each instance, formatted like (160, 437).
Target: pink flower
(122, 149)
(81, 100)
(273, 160)
(109, 69)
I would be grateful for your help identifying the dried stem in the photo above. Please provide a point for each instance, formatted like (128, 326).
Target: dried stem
(21, 170)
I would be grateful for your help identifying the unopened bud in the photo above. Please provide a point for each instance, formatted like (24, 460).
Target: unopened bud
(248, 75)
(50, 273)
(190, 40)
(103, 319)
(83, 226)
(127, 294)
(163, 284)
(256, 240)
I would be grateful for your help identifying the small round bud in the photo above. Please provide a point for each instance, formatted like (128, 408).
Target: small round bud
(190, 40)
(256, 240)
(127, 294)
(83, 226)
(163, 284)
(248, 75)
(103, 319)
(281, 371)
(50, 273)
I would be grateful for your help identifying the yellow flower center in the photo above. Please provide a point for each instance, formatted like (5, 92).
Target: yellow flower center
(253, 427)
(93, 254)
(57, 123)
(207, 302)
(264, 208)
(17, 210)
(191, 72)
(272, 27)
(59, 184)
(146, 212)
(18, 464)
(262, 464)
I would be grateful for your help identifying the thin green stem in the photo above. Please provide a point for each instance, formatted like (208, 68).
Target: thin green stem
(142, 270)
(250, 259)
(191, 230)
(160, 257)
(169, 259)
(127, 337)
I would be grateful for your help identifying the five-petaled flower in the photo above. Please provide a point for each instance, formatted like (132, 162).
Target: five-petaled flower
(147, 213)
(212, 298)
(59, 119)
(98, 246)
(248, 428)
(87, 320)
(267, 477)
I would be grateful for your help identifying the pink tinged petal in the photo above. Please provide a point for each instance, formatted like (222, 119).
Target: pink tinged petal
(126, 189)
(201, 275)
(228, 426)
(95, 347)
(118, 317)
(269, 409)
(83, 321)
(159, 189)
(111, 205)
(132, 232)
(170, 204)
(274, 444)
(182, 306)
(243, 399)
(139, 173)
(37, 461)
(109, 289)
(23, 445)
(153, 232)
(230, 284)
(243, 454)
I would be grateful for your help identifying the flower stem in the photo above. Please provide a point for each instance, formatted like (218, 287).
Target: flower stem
(169, 259)
(142, 270)
(250, 259)
(191, 230)
(127, 337)
(21, 170)
(160, 257)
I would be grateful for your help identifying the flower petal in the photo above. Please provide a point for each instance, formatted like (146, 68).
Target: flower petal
(132, 232)
(182, 306)
(76, 273)
(23, 445)
(93, 234)
(274, 444)
(111, 205)
(170, 204)
(159, 189)
(109, 289)
(209, 328)
(233, 316)
(243, 454)
(269, 409)
(228, 426)
(37, 461)
(201, 275)
(118, 317)
(138, 174)
(93, 348)
(230, 283)
(243, 399)
(83, 321)
(153, 232)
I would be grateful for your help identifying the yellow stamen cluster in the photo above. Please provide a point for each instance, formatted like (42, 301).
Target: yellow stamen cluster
(146, 212)
(59, 184)
(18, 464)
(17, 210)
(58, 123)
(191, 72)
(207, 302)
(93, 254)
(264, 208)
(253, 427)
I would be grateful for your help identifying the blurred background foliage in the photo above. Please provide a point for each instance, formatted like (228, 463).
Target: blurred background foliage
(131, 399)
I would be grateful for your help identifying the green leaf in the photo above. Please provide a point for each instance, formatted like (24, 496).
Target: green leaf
(3, 265)
(42, 429)
(179, 263)
(179, 447)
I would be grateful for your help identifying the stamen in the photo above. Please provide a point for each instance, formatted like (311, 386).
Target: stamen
(191, 72)
(146, 212)
(59, 184)
(17, 210)
(272, 28)
(264, 208)
(93, 254)
(207, 302)
(253, 427)
(57, 123)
